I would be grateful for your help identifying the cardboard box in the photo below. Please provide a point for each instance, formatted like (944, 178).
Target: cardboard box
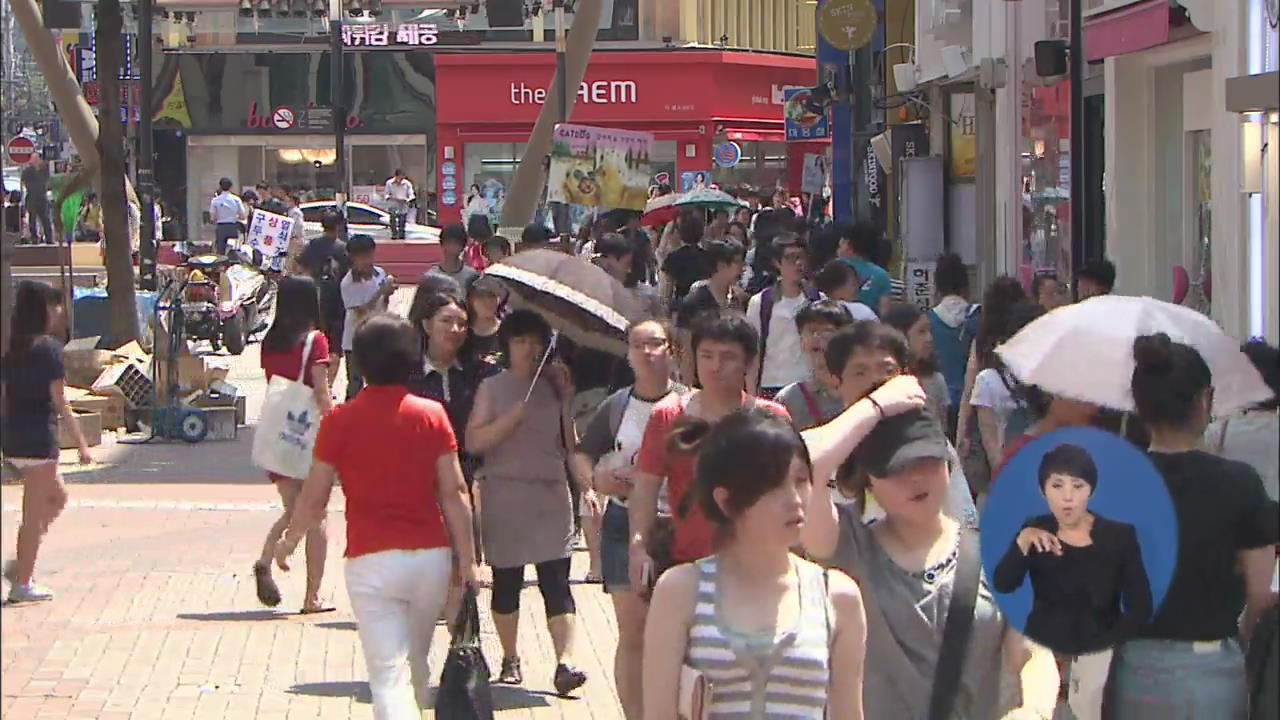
(109, 407)
(221, 394)
(195, 373)
(84, 362)
(90, 427)
(128, 380)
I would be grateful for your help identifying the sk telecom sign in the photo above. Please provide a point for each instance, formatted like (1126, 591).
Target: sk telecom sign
(386, 35)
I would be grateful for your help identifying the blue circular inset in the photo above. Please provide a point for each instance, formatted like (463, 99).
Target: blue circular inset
(727, 154)
(1129, 490)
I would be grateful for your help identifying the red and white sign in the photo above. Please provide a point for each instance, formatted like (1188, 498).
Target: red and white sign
(282, 118)
(21, 150)
(622, 88)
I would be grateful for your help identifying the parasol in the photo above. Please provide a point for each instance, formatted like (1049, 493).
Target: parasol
(577, 298)
(1085, 351)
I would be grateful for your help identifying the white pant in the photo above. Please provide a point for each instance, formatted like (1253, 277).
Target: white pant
(397, 596)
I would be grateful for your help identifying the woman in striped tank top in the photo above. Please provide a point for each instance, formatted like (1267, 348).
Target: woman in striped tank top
(767, 630)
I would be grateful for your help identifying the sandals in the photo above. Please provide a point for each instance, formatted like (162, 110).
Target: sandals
(567, 679)
(268, 591)
(510, 673)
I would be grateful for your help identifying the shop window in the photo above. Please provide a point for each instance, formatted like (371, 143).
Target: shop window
(1046, 181)
(763, 165)
(1201, 167)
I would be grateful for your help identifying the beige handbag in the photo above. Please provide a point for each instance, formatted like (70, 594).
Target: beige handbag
(694, 695)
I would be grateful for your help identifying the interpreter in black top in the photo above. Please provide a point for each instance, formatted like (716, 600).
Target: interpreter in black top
(1187, 662)
(326, 260)
(32, 397)
(1089, 585)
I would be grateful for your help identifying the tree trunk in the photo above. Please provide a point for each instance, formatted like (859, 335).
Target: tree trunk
(109, 41)
(531, 174)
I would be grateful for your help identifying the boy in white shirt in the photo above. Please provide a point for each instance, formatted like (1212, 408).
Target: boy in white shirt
(365, 291)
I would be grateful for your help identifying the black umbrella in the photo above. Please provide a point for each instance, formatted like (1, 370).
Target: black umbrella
(577, 298)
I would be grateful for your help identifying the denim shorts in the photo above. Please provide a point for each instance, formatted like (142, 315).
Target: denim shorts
(615, 546)
(1176, 680)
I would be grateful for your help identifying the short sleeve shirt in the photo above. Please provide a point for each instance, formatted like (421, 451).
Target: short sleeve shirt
(355, 295)
(694, 534)
(875, 282)
(384, 445)
(29, 421)
(288, 364)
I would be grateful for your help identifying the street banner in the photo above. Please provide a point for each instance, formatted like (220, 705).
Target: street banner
(815, 173)
(599, 167)
(269, 233)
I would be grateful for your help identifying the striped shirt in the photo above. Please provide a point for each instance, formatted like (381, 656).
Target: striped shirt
(763, 675)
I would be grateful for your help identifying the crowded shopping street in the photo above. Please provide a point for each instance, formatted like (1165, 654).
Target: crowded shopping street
(640, 359)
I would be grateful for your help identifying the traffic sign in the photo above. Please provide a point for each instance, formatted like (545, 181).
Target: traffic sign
(21, 150)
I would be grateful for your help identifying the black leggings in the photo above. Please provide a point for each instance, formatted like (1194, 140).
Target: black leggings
(553, 581)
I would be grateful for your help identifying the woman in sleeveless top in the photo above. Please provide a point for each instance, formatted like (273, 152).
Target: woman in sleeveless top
(768, 632)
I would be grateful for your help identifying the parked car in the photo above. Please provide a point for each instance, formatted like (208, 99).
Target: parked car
(362, 218)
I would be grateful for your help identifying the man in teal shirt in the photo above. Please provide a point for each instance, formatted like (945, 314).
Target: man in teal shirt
(858, 244)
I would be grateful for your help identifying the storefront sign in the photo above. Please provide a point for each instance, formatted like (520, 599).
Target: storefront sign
(801, 123)
(964, 136)
(847, 24)
(599, 167)
(662, 178)
(269, 233)
(727, 154)
(920, 283)
(449, 168)
(367, 194)
(449, 197)
(384, 35)
(871, 184)
(601, 92)
(290, 118)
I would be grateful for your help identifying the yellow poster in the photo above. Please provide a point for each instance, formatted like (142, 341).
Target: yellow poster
(599, 167)
(964, 136)
(175, 105)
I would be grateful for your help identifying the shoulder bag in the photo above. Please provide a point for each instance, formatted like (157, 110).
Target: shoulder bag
(289, 423)
(957, 630)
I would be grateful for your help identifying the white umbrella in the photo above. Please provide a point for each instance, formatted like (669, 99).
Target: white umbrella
(1085, 351)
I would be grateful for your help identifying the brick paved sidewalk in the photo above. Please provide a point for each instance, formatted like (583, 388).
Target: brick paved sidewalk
(156, 617)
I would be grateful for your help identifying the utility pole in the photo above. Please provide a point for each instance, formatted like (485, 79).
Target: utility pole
(148, 252)
(337, 67)
(530, 176)
(1079, 247)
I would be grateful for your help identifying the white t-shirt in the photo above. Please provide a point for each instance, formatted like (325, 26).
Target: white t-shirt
(859, 311)
(356, 294)
(990, 391)
(784, 359)
(626, 444)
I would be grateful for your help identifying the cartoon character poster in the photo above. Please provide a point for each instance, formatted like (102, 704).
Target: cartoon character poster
(599, 167)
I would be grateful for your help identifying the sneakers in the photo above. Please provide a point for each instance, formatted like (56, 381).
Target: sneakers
(568, 679)
(510, 673)
(30, 592)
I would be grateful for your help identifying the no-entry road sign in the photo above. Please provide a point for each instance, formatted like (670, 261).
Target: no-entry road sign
(21, 150)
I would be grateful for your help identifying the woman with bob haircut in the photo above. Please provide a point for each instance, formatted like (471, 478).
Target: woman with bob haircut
(773, 634)
(522, 425)
(406, 503)
(1090, 588)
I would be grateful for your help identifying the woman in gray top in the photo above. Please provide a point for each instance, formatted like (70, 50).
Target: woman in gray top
(526, 514)
(906, 564)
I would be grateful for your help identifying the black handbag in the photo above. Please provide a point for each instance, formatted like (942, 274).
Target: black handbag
(464, 692)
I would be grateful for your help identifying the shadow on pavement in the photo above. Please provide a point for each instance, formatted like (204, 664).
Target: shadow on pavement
(236, 616)
(508, 697)
(338, 625)
(359, 691)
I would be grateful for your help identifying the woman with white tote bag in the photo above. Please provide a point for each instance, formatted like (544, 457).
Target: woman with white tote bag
(295, 356)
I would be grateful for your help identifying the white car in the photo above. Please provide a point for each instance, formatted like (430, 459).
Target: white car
(362, 218)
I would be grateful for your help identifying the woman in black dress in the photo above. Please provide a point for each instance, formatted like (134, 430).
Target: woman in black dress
(33, 398)
(1091, 590)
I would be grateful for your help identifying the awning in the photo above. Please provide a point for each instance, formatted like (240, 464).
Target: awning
(1139, 26)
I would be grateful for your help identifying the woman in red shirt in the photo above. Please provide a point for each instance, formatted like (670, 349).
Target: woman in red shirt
(405, 498)
(295, 349)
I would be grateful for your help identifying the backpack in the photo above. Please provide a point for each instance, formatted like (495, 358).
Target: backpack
(766, 316)
(615, 406)
(952, 344)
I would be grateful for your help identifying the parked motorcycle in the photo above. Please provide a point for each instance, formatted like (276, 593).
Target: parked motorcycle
(224, 301)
